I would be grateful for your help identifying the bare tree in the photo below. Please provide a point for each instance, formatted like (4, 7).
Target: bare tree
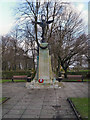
(65, 35)
(31, 11)
(8, 53)
(29, 44)
(11, 59)
(68, 39)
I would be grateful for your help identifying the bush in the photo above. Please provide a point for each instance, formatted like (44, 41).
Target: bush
(33, 75)
(83, 73)
(10, 74)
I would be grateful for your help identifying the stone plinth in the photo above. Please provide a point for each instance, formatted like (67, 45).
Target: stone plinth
(44, 71)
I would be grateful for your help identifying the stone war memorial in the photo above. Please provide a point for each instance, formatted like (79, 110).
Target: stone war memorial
(44, 75)
(41, 75)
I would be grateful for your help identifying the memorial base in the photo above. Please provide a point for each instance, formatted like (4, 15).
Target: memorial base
(36, 85)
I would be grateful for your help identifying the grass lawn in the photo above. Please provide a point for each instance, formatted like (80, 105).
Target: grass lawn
(2, 99)
(81, 105)
(85, 80)
(9, 80)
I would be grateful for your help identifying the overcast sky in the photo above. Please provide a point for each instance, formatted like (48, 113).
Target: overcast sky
(7, 18)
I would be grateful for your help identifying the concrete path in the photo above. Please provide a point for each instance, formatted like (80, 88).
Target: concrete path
(41, 103)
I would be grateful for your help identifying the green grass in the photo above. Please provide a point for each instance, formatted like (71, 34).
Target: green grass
(84, 70)
(85, 80)
(81, 105)
(9, 80)
(79, 70)
(2, 99)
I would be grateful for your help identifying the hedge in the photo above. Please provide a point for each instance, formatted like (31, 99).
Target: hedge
(83, 73)
(10, 74)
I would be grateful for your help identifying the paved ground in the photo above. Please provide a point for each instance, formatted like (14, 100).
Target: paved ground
(40, 103)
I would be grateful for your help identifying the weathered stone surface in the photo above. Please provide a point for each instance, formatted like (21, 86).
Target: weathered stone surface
(44, 64)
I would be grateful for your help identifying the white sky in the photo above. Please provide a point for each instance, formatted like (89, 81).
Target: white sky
(7, 19)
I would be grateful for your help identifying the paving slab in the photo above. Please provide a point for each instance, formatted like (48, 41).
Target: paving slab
(30, 116)
(40, 103)
(32, 111)
(12, 116)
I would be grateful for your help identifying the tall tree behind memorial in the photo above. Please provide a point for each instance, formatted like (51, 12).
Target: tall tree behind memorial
(65, 35)
(68, 39)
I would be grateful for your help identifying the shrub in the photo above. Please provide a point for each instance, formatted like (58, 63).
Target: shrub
(83, 73)
(10, 74)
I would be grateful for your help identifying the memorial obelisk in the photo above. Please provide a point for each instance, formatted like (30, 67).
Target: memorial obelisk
(44, 63)
(44, 58)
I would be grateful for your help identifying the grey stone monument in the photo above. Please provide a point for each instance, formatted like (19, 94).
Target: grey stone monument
(44, 70)
(44, 58)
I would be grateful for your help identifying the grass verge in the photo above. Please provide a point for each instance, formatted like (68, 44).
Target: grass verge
(9, 80)
(3, 99)
(73, 80)
(81, 105)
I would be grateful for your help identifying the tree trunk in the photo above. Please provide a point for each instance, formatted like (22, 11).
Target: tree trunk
(58, 69)
(65, 74)
(19, 66)
(26, 64)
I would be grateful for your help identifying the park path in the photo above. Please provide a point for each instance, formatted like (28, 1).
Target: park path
(40, 103)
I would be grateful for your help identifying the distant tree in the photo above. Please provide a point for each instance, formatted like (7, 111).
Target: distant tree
(68, 40)
(14, 35)
(29, 44)
(87, 55)
(24, 40)
(13, 56)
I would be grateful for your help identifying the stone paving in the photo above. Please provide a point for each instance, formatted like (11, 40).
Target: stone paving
(40, 103)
